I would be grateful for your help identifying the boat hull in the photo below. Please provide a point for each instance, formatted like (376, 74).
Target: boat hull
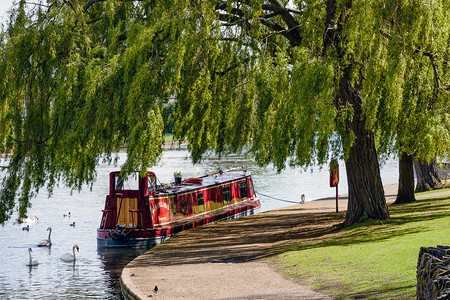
(149, 237)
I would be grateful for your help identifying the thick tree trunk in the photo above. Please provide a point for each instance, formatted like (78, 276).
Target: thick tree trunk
(427, 176)
(365, 189)
(405, 192)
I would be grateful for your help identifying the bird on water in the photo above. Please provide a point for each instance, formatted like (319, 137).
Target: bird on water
(47, 242)
(32, 260)
(67, 257)
(30, 221)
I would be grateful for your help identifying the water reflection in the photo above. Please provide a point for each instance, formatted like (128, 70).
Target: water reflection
(114, 260)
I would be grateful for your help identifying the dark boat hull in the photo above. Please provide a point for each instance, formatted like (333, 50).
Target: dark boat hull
(148, 237)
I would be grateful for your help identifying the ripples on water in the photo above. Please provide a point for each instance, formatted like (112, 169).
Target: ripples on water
(96, 272)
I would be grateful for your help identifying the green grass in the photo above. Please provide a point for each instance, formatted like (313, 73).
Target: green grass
(371, 260)
(433, 191)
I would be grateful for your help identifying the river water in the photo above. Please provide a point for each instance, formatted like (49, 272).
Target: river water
(96, 272)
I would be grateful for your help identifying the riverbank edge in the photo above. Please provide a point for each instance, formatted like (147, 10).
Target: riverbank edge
(135, 290)
(125, 283)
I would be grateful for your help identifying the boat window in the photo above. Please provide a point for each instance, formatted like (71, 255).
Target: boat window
(131, 183)
(185, 206)
(201, 202)
(151, 184)
(253, 188)
(243, 189)
(226, 194)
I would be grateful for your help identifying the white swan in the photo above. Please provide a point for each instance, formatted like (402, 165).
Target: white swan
(47, 242)
(34, 219)
(32, 261)
(67, 257)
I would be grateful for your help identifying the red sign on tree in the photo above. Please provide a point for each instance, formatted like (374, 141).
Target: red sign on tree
(334, 173)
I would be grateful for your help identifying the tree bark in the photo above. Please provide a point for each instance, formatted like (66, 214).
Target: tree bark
(427, 176)
(365, 189)
(405, 192)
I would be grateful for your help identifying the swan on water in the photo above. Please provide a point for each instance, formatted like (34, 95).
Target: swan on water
(67, 257)
(67, 215)
(34, 219)
(32, 261)
(47, 242)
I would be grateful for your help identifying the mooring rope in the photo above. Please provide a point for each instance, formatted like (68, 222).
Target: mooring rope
(284, 200)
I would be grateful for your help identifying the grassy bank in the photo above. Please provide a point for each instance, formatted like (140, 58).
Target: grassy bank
(372, 260)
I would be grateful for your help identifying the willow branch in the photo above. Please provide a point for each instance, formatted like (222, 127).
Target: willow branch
(95, 20)
(221, 73)
(282, 32)
(437, 78)
(92, 2)
(40, 4)
(70, 4)
(40, 142)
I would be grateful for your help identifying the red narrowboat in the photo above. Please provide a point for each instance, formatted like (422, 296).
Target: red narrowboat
(140, 212)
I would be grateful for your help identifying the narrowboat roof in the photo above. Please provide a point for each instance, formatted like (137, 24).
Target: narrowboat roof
(206, 181)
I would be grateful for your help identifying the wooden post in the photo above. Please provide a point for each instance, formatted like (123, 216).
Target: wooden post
(337, 197)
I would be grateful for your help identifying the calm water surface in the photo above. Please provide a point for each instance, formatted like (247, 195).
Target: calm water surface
(96, 272)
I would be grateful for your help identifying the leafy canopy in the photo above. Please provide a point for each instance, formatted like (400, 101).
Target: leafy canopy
(81, 79)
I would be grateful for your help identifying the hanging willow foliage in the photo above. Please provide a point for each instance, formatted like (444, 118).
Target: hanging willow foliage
(295, 82)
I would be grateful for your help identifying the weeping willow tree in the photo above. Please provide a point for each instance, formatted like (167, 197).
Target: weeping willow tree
(296, 83)
(424, 120)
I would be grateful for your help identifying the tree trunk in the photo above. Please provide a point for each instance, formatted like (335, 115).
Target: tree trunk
(405, 192)
(365, 189)
(427, 176)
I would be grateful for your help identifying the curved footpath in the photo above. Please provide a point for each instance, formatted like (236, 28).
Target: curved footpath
(223, 260)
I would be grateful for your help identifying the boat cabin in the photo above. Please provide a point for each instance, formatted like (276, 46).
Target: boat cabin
(140, 203)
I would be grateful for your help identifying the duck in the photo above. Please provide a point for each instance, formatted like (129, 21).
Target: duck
(66, 215)
(26, 228)
(47, 242)
(304, 199)
(34, 219)
(67, 257)
(32, 261)
(73, 224)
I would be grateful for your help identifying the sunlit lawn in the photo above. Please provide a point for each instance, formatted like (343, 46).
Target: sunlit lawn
(372, 259)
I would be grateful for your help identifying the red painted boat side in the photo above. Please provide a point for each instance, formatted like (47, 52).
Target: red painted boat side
(147, 214)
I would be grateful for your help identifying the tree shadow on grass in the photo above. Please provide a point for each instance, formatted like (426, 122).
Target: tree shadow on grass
(423, 205)
(374, 231)
(291, 229)
(383, 292)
